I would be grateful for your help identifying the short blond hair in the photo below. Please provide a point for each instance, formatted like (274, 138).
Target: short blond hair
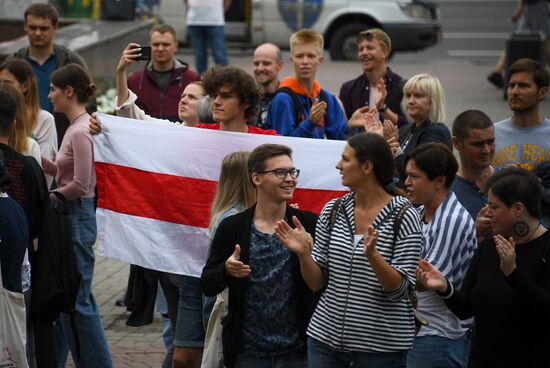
(433, 88)
(307, 36)
(382, 37)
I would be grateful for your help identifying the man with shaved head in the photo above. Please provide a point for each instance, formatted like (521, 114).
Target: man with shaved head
(267, 63)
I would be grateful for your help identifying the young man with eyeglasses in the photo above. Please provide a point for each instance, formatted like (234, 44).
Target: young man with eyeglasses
(378, 89)
(269, 302)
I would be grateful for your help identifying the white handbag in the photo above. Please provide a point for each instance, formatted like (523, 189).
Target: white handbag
(212, 355)
(12, 328)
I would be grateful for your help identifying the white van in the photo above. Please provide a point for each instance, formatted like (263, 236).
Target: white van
(411, 24)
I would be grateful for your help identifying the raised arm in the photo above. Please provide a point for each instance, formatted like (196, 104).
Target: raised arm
(129, 55)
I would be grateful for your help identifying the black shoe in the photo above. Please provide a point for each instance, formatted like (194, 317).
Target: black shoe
(120, 302)
(496, 80)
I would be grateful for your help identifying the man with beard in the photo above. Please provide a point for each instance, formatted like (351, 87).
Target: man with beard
(378, 89)
(267, 65)
(524, 139)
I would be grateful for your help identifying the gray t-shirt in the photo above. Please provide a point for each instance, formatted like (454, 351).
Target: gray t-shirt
(524, 146)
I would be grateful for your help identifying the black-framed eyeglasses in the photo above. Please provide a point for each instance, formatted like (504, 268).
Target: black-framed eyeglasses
(282, 173)
(365, 35)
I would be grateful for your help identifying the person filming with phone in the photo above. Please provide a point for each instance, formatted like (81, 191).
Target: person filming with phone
(160, 83)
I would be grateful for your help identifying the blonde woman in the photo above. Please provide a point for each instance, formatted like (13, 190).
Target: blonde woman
(234, 194)
(20, 139)
(425, 107)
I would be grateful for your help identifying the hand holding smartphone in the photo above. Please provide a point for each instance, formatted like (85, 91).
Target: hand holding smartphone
(145, 53)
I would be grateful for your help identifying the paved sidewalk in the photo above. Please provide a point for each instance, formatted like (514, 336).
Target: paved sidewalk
(136, 347)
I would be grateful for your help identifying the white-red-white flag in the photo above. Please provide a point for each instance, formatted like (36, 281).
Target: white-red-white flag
(156, 184)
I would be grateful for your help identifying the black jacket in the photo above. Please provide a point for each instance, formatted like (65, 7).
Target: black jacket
(236, 230)
(413, 136)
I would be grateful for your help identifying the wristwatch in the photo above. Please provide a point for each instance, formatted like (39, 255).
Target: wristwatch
(383, 108)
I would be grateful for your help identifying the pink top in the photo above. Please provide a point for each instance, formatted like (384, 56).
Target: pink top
(74, 169)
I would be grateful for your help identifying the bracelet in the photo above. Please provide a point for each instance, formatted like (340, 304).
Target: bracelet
(449, 293)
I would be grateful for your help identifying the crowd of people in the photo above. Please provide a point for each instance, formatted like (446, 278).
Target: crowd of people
(425, 262)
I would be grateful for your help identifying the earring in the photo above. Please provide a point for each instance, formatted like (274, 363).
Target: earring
(520, 228)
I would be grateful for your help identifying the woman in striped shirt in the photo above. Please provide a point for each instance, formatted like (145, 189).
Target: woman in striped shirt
(365, 263)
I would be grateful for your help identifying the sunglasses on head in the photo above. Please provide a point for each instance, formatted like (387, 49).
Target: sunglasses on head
(366, 35)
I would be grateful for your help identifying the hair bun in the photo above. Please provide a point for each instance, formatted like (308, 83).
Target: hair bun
(91, 90)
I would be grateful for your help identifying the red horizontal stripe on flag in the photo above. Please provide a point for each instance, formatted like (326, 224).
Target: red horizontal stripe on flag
(173, 198)
(164, 197)
(314, 199)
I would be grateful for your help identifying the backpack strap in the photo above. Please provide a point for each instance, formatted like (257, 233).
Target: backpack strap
(333, 212)
(295, 103)
(399, 220)
(298, 117)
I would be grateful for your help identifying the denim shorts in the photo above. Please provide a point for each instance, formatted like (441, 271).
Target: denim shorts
(189, 326)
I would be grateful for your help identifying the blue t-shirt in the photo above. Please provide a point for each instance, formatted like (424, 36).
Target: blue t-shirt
(469, 195)
(43, 74)
(269, 323)
(14, 236)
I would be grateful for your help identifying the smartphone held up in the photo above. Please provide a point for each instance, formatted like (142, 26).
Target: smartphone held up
(145, 53)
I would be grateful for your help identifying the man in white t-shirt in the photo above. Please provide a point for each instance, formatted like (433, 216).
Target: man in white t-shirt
(205, 25)
(524, 139)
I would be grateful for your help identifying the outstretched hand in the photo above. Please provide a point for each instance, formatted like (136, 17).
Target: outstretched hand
(297, 240)
(430, 278)
(372, 125)
(357, 120)
(234, 267)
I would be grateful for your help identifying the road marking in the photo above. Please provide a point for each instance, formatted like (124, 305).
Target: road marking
(476, 35)
(491, 53)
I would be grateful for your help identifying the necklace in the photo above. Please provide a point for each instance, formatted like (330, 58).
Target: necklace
(533, 234)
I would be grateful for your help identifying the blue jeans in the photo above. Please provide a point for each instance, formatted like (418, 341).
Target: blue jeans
(437, 351)
(292, 359)
(320, 355)
(203, 37)
(170, 285)
(94, 351)
(162, 309)
(189, 326)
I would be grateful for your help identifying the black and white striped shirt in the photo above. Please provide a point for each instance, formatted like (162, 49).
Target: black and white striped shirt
(354, 312)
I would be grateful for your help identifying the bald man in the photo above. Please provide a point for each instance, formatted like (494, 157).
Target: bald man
(267, 63)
